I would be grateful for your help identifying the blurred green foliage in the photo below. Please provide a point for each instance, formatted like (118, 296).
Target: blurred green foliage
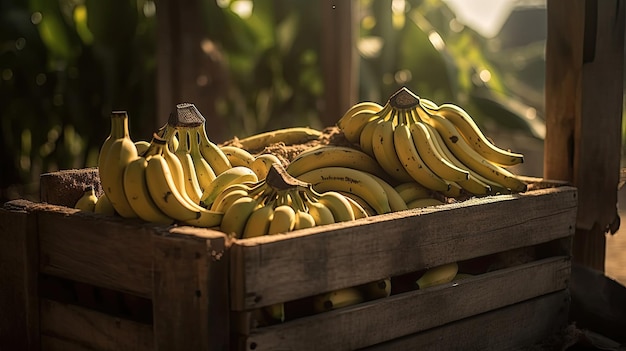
(66, 64)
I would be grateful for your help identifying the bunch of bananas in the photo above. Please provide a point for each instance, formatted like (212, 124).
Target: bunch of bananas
(278, 204)
(439, 147)
(166, 181)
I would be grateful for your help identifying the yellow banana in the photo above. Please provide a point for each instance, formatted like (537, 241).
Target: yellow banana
(87, 202)
(424, 143)
(349, 180)
(262, 163)
(244, 186)
(359, 209)
(119, 154)
(304, 220)
(236, 216)
(385, 151)
(353, 127)
(258, 223)
(321, 213)
(424, 202)
(141, 146)
(237, 156)
(236, 174)
(216, 158)
(288, 136)
(337, 299)
(396, 203)
(334, 156)
(475, 137)
(283, 220)
(138, 195)
(167, 197)
(356, 108)
(119, 128)
(103, 206)
(228, 200)
(438, 275)
(410, 191)
(412, 161)
(338, 204)
(366, 138)
(191, 184)
(376, 290)
(471, 158)
(205, 173)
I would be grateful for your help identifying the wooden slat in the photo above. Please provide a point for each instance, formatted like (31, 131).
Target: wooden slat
(534, 323)
(584, 55)
(69, 327)
(403, 314)
(281, 268)
(99, 250)
(19, 306)
(190, 304)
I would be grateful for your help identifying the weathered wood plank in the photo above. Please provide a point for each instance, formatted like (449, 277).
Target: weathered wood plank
(281, 268)
(190, 281)
(69, 327)
(100, 250)
(65, 187)
(19, 305)
(380, 320)
(534, 323)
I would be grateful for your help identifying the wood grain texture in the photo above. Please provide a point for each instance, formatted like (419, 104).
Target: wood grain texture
(65, 187)
(104, 251)
(380, 320)
(532, 324)
(69, 327)
(188, 282)
(19, 305)
(285, 267)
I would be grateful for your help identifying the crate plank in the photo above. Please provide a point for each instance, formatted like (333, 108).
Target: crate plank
(281, 268)
(69, 327)
(373, 322)
(190, 298)
(536, 322)
(100, 250)
(19, 324)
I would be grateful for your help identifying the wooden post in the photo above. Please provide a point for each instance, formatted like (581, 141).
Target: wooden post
(584, 89)
(190, 66)
(339, 59)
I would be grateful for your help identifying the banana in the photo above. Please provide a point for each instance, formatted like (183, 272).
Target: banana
(376, 290)
(236, 216)
(103, 206)
(288, 136)
(337, 299)
(236, 174)
(141, 146)
(424, 143)
(283, 220)
(366, 137)
(216, 158)
(385, 151)
(205, 173)
(87, 202)
(438, 275)
(119, 128)
(462, 150)
(228, 200)
(425, 202)
(262, 163)
(410, 191)
(321, 213)
(244, 186)
(474, 184)
(191, 183)
(258, 222)
(237, 156)
(454, 190)
(356, 108)
(339, 205)
(303, 220)
(334, 156)
(396, 203)
(413, 163)
(358, 209)
(353, 127)
(175, 166)
(475, 137)
(169, 133)
(119, 154)
(167, 197)
(349, 180)
(138, 195)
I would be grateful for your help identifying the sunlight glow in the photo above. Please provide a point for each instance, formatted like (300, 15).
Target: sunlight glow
(485, 75)
(243, 8)
(436, 40)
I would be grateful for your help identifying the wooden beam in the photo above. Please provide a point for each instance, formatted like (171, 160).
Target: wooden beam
(584, 89)
(339, 59)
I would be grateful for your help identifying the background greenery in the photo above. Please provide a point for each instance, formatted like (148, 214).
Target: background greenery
(66, 64)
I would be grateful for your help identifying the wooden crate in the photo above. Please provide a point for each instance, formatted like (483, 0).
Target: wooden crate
(89, 282)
